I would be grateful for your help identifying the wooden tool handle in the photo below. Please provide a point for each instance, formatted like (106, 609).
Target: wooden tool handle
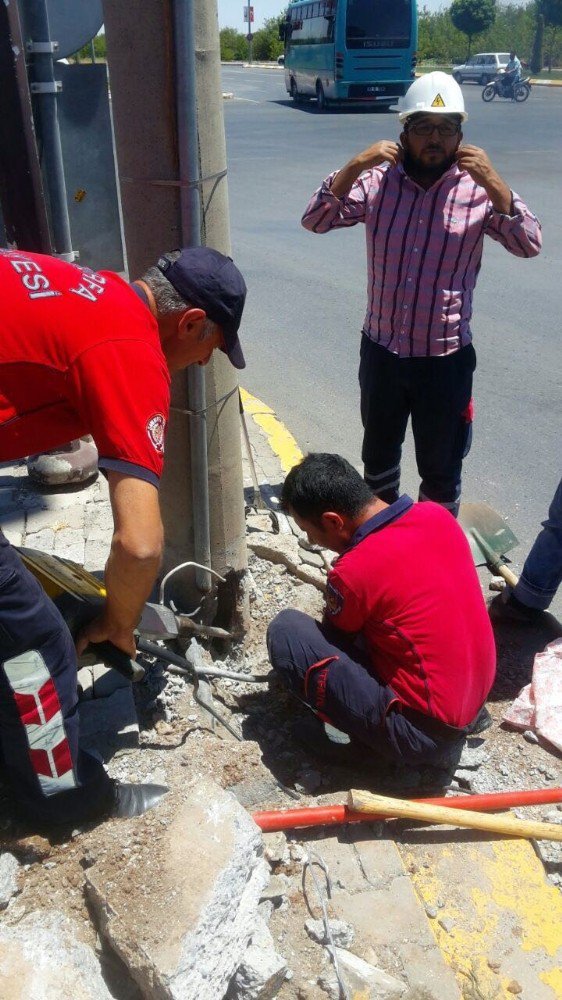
(507, 573)
(513, 827)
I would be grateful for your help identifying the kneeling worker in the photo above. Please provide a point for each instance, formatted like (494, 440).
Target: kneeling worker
(404, 658)
(82, 352)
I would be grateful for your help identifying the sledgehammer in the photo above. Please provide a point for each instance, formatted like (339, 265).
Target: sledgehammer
(422, 811)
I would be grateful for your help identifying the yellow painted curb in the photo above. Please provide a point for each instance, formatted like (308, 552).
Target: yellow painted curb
(281, 442)
(502, 918)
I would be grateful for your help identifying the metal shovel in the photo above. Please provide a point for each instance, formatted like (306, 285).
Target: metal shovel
(489, 538)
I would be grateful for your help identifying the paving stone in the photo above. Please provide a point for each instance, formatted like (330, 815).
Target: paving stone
(43, 958)
(262, 972)
(13, 531)
(70, 544)
(109, 725)
(9, 868)
(44, 539)
(96, 553)
(182, 913)
(389, 919)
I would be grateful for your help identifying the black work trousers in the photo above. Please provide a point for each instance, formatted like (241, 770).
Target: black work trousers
(329, 673)
(53, 780)
(436, 392)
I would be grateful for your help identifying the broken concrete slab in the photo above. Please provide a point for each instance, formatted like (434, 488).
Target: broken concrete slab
(363, 979)
(109, 725)
(42, 956)
(284, 549)
(372, 891)
(262, 971)
(9, 868)
(181, 909)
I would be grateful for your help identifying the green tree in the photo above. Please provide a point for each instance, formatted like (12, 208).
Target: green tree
(472, 17)
(233, 45)
(85, 54)
(538, 42)
(267, 45)
(551, 10)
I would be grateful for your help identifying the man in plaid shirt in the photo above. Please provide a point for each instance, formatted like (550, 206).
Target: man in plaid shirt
(427, 202)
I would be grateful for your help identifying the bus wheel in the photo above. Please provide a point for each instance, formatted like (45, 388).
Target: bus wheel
(321, 102)
(294, 92)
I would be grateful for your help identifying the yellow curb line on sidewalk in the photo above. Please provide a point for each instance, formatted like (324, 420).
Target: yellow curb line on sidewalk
(281, 442)
(501, 907)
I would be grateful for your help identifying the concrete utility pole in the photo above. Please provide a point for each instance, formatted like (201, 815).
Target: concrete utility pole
(143, 75)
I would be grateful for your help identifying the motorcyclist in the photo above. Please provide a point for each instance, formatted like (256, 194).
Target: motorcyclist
(512, 75)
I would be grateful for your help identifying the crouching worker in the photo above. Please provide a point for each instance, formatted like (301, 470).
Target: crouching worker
(404, 657)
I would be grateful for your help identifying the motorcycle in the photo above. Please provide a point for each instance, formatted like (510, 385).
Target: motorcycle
(501, 87)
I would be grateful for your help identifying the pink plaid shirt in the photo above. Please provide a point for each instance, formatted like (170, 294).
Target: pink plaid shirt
(424, 250)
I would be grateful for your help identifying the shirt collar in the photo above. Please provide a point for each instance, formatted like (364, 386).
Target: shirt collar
(141, 293)
(386, 516)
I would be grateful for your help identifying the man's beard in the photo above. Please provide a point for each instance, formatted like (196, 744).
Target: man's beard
(425, 173)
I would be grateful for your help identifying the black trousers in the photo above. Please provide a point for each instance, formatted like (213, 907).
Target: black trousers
(333, 677)
(53, 780)
(436, 392)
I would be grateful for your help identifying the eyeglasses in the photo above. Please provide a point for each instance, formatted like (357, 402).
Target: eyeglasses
(427, 128)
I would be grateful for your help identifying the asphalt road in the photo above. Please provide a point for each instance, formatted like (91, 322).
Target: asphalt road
(307, 292)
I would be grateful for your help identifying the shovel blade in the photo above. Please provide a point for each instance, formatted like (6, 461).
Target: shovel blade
(478, 520)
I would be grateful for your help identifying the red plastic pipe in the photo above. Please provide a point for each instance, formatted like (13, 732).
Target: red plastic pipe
(271, 821)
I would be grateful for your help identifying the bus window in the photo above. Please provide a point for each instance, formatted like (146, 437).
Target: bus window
(379, 22)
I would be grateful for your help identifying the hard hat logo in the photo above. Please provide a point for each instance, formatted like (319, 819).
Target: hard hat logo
(433, 93)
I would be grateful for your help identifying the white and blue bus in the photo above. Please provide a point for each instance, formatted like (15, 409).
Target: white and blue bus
(350, 51)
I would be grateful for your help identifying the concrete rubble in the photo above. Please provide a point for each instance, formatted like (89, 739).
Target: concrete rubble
(342, 934)
(362, 980)
(183, 929)
(43, 958)
(9, 887)
(262, 970)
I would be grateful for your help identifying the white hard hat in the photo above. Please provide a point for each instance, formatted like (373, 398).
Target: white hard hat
(433, 93)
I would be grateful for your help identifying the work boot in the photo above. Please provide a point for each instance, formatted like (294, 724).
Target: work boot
(134, 800)
(76, 462)
(507, 608)
(482, 722)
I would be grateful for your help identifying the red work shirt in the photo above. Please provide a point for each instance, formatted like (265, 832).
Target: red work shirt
(79, 354)
(408, 585)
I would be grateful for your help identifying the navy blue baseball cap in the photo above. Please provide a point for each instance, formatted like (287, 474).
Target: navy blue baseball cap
(211, 281)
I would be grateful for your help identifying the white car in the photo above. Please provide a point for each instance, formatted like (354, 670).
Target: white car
(482, 68)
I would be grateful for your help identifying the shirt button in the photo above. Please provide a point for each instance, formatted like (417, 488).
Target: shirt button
(415, 249)
(409, 279)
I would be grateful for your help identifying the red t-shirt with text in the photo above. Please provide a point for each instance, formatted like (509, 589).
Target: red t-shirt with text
(79, 354)
(410, 588)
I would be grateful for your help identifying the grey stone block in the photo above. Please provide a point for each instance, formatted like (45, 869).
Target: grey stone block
(9, 868)
(43, 957)
(262, 972)
(210, 879)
